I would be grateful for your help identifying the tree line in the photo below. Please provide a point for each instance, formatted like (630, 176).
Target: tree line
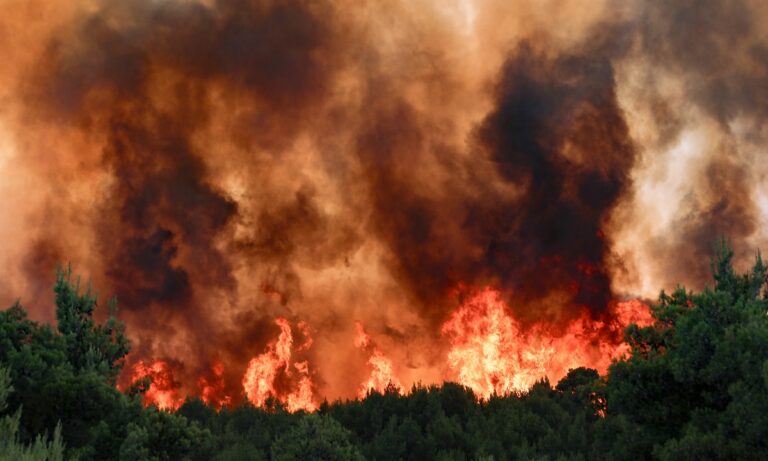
(694, 386)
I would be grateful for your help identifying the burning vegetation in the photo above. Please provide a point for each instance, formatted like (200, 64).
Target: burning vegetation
(382, 377)
(492, 354)
(409, 229)
(489, 351)
(276, 368)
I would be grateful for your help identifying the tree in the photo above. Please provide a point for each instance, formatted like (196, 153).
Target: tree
(315, 437)
(90, 346)
(694, 387)
(10, 447)
(67, 375)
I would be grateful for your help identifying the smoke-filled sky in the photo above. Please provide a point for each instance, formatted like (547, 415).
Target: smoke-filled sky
(216, 164)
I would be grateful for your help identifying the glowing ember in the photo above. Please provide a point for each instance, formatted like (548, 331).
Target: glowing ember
(273, 366)
(163, 391)
(381, 377)
(492, 354)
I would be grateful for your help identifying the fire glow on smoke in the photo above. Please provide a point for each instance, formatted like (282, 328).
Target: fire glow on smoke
(490, 352)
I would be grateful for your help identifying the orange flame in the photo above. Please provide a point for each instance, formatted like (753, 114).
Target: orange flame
(633, 311)
(492, 354)
(264, 371)
(302, 398)
(381, 378)
(212, 389)
(163, 391)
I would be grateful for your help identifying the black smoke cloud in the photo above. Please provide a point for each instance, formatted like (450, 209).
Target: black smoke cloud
(555, 135)
(559, 134)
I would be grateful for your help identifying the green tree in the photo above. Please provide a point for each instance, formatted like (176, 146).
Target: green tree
(11, 449)
(315, 437)
(68, 375)
(694, 387)
(89, 346)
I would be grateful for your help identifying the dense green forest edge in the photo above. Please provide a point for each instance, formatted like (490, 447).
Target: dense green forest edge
(695, 386)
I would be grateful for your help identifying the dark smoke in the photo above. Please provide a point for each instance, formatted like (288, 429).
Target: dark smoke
(557, 136)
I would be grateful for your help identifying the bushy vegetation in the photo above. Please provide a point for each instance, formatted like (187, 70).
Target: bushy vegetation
(695, 386)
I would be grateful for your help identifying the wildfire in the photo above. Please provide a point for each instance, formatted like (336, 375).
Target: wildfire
(301, 398)
(633, 311)
(266, 370)
(491, 353)
(381, 377)
(212, 389)
(163, 390)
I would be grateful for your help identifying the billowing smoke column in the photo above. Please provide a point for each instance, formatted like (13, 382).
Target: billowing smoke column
(277, 191)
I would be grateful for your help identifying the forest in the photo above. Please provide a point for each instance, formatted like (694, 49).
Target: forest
(694, 386)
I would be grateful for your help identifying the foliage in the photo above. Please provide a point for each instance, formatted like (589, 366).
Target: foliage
(315, 437)
(10, 448)
(695, 385)
(92, 347)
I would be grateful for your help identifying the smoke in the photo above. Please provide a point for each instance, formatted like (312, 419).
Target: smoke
(220, 164)
(695, 102)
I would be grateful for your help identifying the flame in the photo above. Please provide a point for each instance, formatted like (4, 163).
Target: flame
(381, 378)
(212, 389)
(492, 354)
(633, 311)
(163, 391)
(302, 398)
(265, 370)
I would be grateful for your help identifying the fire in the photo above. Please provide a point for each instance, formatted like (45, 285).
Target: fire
(265, 371)
(381, 377)
(260, 376)
(491, 353)
(633, 311)
(212, 389)
(163, 391)
(302, 398)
